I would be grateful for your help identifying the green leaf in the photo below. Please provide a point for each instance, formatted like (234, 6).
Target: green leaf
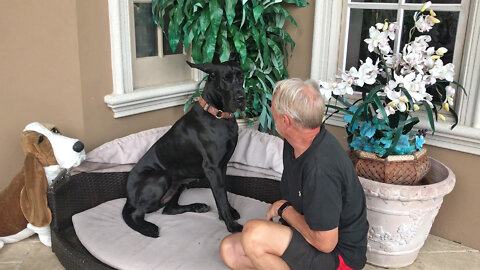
(224, 45)
(338, 108)
(257, 12)
(359, 110)
(409, 97)
(204, 21)
(197, 49)
(397, 133)
(230, 10)
(278, 54)
(430, 115)
(452, 111)
(239, 42)
(409, 124)
(283, 35)
(299, 3)
(173, 31)
(380, 107)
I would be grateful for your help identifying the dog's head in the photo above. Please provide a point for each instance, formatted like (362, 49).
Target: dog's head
(224, 84)
(45, 142)
(46, 150)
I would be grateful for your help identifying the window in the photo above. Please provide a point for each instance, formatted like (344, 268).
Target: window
(341, 26)
(147, 74)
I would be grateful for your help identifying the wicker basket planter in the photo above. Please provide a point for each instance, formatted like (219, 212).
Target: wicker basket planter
(401, 216)
(395, 169)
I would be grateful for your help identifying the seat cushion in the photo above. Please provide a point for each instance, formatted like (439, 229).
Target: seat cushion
(187, 241)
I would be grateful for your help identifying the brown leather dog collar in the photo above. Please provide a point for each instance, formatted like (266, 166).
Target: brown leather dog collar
(219, 114)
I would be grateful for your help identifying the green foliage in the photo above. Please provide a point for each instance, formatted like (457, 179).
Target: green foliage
(253, 28)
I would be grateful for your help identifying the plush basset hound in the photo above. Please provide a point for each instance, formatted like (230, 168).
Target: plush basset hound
(23, 203)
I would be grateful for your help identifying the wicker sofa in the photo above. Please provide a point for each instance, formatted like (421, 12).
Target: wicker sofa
(69, 195)
(73, 194)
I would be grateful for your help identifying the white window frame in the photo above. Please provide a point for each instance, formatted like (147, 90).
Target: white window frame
(327, 54)
(125, 100)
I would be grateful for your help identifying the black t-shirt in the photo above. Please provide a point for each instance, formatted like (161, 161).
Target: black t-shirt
(323, 186)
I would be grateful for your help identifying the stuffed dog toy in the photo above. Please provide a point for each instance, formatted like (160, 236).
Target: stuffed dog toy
(23, 203)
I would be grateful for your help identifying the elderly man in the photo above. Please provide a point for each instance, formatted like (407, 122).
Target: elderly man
(322, 213)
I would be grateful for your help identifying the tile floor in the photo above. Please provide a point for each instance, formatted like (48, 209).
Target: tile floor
(436, 254)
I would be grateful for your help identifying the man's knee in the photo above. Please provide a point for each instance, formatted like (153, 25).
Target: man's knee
(228, 250)
(254, 236)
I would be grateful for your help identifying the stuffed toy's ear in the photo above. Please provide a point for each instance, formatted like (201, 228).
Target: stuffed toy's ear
(33, 198)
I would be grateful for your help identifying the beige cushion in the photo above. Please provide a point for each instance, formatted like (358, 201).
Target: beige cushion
(257, 154)
(187, 241)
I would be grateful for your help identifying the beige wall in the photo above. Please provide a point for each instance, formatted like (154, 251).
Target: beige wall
(55, 67)
(39, 74)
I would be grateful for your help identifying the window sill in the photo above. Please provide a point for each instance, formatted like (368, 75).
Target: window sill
(150, 98)
(461, 138)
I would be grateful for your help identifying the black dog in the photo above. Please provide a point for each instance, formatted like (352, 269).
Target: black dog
(198, 145)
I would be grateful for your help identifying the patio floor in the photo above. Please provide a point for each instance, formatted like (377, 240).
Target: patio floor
(436, 254)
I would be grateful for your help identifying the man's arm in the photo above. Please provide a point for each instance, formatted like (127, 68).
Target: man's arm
(324, 241)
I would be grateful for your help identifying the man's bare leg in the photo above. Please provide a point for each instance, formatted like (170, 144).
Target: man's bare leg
(259, 246)
(232, 253)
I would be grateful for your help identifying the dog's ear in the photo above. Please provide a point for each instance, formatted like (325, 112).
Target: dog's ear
(208, 68)
(235, 57)
(33, 197)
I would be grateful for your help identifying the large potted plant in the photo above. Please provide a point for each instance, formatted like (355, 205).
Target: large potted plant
(386, 150)
(252, 28)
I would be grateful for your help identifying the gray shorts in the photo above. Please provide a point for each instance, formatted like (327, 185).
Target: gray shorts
(300, 255)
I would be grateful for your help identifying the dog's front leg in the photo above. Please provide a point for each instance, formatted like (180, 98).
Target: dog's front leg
(214, 176)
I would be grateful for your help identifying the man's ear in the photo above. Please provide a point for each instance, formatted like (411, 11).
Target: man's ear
(287, 120)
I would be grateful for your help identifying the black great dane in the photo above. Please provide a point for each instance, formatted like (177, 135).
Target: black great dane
(198, 145)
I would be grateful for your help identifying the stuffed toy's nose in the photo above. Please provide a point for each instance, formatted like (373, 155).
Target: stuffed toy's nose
(78, 147)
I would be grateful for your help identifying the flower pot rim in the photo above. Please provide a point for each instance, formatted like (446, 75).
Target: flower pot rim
(411, 193)
(391, 158)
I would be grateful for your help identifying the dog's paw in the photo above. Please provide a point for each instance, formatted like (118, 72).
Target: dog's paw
(200, 208)
(150, 230)
(234, 213)
(234, 227)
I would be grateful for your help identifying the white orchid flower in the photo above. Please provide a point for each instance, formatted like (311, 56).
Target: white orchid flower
(326, 89)
(429, 79)
(388, 111)
(424, 24)
(425, 6)
(442, 72)
(398, 100)
(450, 92)
(392, 29)
(441, 51)
(405, 81)
(349, 79)
(367, 73)
(394, 60)
(376, 39)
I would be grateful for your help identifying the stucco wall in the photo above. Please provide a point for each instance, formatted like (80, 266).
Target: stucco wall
(55, 67)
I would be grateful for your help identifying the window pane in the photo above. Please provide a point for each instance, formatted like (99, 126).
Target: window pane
(443, 34)
(145, 30)
(376, 1)
(436, 1)
(360, 22)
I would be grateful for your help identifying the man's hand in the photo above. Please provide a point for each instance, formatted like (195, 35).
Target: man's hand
(273, 209)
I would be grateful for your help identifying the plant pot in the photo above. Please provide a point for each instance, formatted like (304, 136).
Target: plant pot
(400, 217)
(248, 123)
(395, 169)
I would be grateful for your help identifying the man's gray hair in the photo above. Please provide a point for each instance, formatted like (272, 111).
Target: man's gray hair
(301, 100)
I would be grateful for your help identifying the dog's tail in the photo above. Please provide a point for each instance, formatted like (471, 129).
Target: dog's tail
(135, 220)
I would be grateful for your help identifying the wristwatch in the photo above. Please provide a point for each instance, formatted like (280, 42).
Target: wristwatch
(283, 207)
